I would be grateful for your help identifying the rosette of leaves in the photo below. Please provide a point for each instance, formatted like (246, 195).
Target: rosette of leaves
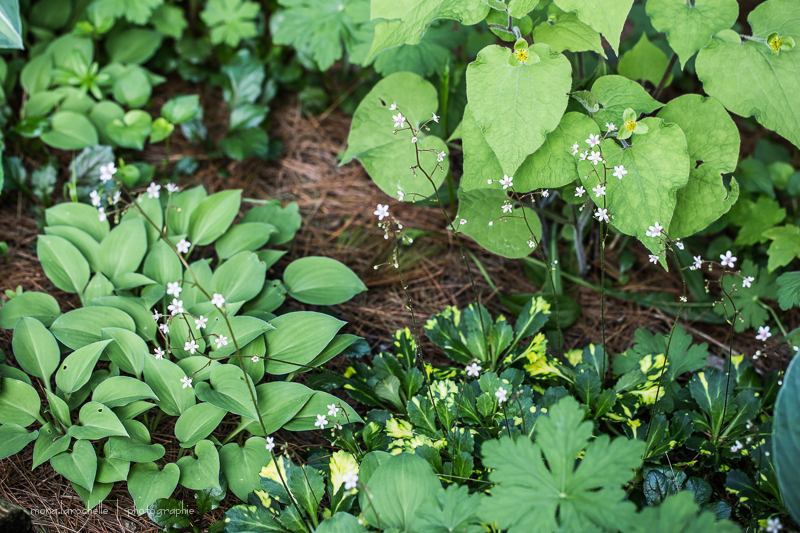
(111, 372)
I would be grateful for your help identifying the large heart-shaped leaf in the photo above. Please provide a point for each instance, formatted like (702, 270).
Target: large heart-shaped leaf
(617, 93)
(49, 443)
(14, 438)
(147, 483)
(230, 391)
(122, 390)
(135, 448)
(35, 349)
(63, 263)
(132, 130)
(321, 281)
(240, 278)
(197, 423)
(212, 217)
(201, 472)
(70, 131)
(298, 338)
(96, 422)
(164, 378)
(606, 16)
(37, 305)
(242, 464)
(74, 372)
(79, 465)
(123, 249)
(83, 326)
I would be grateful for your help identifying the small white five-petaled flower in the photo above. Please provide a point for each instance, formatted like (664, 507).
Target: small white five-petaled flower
(174, 288)
(440, 156)
(653, 259)
(654, 230)
(270, 445)
(575, 149)
(683, 299)
(619, 172)
(159, 353)
(601, 214)
(593, 140)
(200, 322)
(413, 140)
(95, 198)
(107, 171)
(507, 208)
(774, 524)
(763, 333)
(736, 447)
(506, 182)
(156, 315)
(176, 307)
(333, 410)
(218, 300)
(153, 190)
(350, 481)
(183, 246)
(435, 118)
(531, 243)
(321, 421)
(191, 346)
(399, 120)
(401, 195)
(545, 193)
(381, 212)
(254, 359)
(501, 395)
(393, 106)
(580, 191)
(679, 244)
(728, 259)
(171, 187)
(599, 191)
(164, 328)
(187, 382)
(462, 221)
(474, 370)
(101, 214)
(595, 158)
(747, 281)
(221, 341)
(610, 126)
(698, 262)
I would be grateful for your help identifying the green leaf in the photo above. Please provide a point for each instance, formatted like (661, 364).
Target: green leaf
(197, 423)
(657, 165)
(679, 513)
(132, 130)
(279, 402)
(135, 11)
(298, 338)
(690, 27)
(606, 16)
(76, 369)
(137, 447)
(81, 240)
(97, 422)
(286, 220)
(516, 106)
(93, 498)
(564, 31)
(318, 404)
(257, 519)
(212, 217)
(161, 130)
(201, 472)
(245, 328)
(70, 131)
(321, 281)
(123, 249)
(111, 470)
(181, 108)
(407, 21)
(645, 62)
(228, 390)
(241, 465)
(81, 216)
(617, 93)
(382, 152)
(786, 440)
(712, 139)
(162, 263)
(519, 8)
(147, 483)
(243, 237)
(240, 278)
(508, 237)
(749, 79)
(346, 523)
(789, 290)
(785, 246)
(133, 307)
(134, 46)
(132, 88)
(79, 465)
(36, 74)
(424, 59)
(62, 263)
(81, 327)
(308, 487)
(35, 349)
(164, 378)
(709, 389)
(756, 218)
(170, 21)
(36, 305)
(19, 403)
(230, 21)
(49, 443)
(121, 390)
(14, 438)
(59, 409)
(535, 497)
(10, 26)
(453, 509)
(102, 114)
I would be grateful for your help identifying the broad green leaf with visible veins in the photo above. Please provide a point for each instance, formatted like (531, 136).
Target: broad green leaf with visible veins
(786, 442)
(510, 238)
(516, 106)
(605, 16)
(552, 165)
(520, 8)
(657, 165)
(385, 155)
(564, 31)
(617, 93)
(645, 61)
(452, 510)
(749, 80)
(785, 246)
(689, 28)
(678, 513)
(713, 142)
(533, 497)
(147, 483)
(789, 290)
(136, 11)
(408, 20)
(756, 218)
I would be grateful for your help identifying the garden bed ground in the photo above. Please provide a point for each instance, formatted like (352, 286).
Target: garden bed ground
(336, 204)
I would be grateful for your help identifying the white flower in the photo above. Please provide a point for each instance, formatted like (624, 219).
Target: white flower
(653, 259)
(506, 182)
(728, 260)
(654, 230)
(736, 447)
(164, 328)
(462, 221)
(101, 214)
(115, 199)
(159, 353)
(595, 158)
(176, 307)
(401, 195)
(545, 193)
(393, 106)
(683, 299)
(187, 382)
(489, 182)
(619, 172)
(601, 214)
(599, 191)
(698, 262)
(221, 341)
(501, 395)
(763, 333)
(749, 424)
(580, 191)
(333, 410)
(321, 422)
(174, 288)
(95, 198)
(156, 315)
(399, 120)
(218, 300)
(191, 346)
(350, 481)
(440, 156)
(107, 171)
(200, 322)
(152, 190)
(381, 212)
(575, 149)
(413, 140)
(474, 370)
(491, 223)
(507, 208)
(610, 126)
(531, 243)
(679, 244)
(270, 445)
(583, 155)
(254, 359)
(183, 246)
(435, 118)
(593, 140)
(171, 187)
(747, 281)
(774, 525)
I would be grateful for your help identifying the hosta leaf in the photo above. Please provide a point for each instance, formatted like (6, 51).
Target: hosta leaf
(37, 305)
(508, 238)
(97, 422)
(298, 338)
(786, 441)
(279, 402)
(408, 20)
(605, 16)
(516, 106)
(321, 281)
(80, 240)
(95, 497)
(14, 438)
(77, 215)
(657, 165)
(162, 264)
(212, 217)
(164, 378)
(132, 130)
(384, 154)
(79, 465)
(617, 93)
(49, 443)
(690, 27)
(147, 483)
(318, 404)
(136, 448)
(201, 472)
(749, 79)
(70, 131)
(242, 464)
(713, 143)
(19, 403)
(35, 348)
(123, 249)
(230, 391)
(240, 278)
(74, 371)
(122, 390)
(564, 31)
(567, 498)
(63, 263)
(197, 423)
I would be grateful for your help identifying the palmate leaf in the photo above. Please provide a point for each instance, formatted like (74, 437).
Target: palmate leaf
(713, 142)
(789, 290)
(605, 16)
(785, 246)
(564, 31)
(749, 79)
(678, 513)
(230, 20)
(408, 20)
(756, 218)
(747, 299)
(531, 497)
(452, 510)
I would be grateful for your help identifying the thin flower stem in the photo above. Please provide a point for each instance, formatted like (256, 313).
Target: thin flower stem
(665, 77)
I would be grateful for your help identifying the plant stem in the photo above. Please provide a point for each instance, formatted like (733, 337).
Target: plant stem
(665, 77)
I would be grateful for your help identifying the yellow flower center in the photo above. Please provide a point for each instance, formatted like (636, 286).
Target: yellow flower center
(521, 55)
(630, 125)
(775, 43)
